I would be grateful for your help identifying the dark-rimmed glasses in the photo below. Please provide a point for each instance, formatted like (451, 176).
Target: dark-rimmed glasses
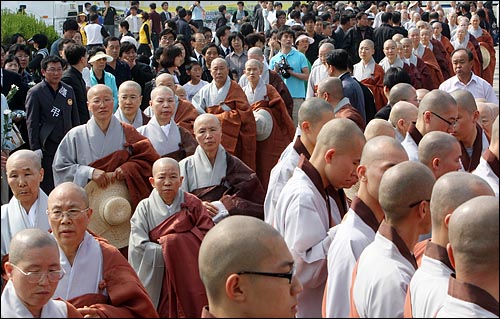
(287, 275)
(72, 213)
(452, 124)
(418, 202)
(36, 277)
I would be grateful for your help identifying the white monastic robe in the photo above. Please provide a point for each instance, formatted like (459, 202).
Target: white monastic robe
(363, 71)
(485, 171)
(386, 64)
(429, 285)
(83, 145)
(352, 236)
(15, 218)
(210, 95)
(84, 276)
(410, 147)
(13, 307)
(303, 220)
(318, 73)
(165, 139)
(137, 119)
(146, 257)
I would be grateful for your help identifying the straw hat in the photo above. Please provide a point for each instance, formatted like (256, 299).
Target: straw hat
(111, 212)
(486, 56)
(100, 55)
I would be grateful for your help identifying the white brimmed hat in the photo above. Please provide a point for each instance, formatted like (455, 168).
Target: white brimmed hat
(303, 36)
(100, 55)
(111, 212)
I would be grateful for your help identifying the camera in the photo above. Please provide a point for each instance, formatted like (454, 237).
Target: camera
(283, 67)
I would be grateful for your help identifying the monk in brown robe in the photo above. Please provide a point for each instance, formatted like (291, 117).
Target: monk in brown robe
(426, 54)
(486, 41)
(225, 98)
(275, 128)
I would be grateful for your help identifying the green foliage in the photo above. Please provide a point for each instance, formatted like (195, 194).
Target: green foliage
(27, 25)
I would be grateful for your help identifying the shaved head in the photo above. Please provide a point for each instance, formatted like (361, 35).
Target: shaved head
(66, 188)
(254, 62)
(161, 89)
(453, 189)
(441, 145)
(25, 155)
(30, 238)
(341, 134)
(436, 101)
(165, 161)
(130, 84)
(402, 92)
(333, 86)
(405, 184)
(204, 118)
(465, 100)
(255, 53)
(379, 127)
(473, 235)
(403, 110)
(237, 243)
(313, 109)
(371, 150)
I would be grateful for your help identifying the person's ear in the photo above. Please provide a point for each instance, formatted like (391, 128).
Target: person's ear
(361, 171)
(435, 163)
(8, 269)
(451, 257)
(329, 155)
(152, 182)
(234, 290)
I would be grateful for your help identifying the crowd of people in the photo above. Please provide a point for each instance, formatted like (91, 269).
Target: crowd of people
(331, 159)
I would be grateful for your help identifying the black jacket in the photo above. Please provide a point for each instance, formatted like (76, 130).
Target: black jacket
(73, 78)
(353, 38)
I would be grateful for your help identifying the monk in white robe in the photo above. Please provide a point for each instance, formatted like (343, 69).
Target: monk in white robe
(169, 276)
(429, 285)
(385, 266)
(319, 71)
(303, 210)
(473, 233)
(360, 224)
(27, 208)
(168, 139)
(313, 114)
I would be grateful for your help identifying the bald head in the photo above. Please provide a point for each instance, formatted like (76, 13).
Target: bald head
(439, 145)
(97, 89)
(254, 63)
(371, 150)
(62, 190)
(453, 189)
(340, 134)
(162, 78)
(404, 184)
(219, 61)
(436, 101)
(379, 127)
(402, 92)
(403, 110)
(161, 90)
(237, 243)
(204, 118)
(473, 235)
(332, 86)
(255, 53)
(165, 162)
(130, 84)
(27, 155)
(313, 110)
(465, 100)
(27, 239)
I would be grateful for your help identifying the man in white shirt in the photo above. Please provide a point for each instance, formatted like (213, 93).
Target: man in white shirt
(462, 60)
(488, 164)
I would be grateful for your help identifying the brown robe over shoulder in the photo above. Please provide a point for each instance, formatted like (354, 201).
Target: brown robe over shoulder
(270, 149)
(185, 115)
(127, 297)
(244, 195)
(376, 85)
(238, 125)
(477, 65)
(136, 162)
(280, 86)
(443, 59)
(435, 70)
(487, 41)
(470, 163)
(183, 293)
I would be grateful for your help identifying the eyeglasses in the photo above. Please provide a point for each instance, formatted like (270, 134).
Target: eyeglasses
(36, 277)
(72, 213)
(418, 202)
(452, 124)
(287, 275)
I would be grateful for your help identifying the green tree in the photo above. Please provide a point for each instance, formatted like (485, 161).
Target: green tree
(27, 25)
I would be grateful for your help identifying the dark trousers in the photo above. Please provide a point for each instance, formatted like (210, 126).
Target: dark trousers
(154, 40)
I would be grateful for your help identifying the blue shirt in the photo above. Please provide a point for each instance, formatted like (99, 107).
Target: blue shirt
(297, 62)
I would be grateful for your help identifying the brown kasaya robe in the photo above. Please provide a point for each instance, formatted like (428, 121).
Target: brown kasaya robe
(185, 115)
(238, 125)
(487, 41)
(270, 149)
(436, 74)
(376, 85)
(443, 59)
